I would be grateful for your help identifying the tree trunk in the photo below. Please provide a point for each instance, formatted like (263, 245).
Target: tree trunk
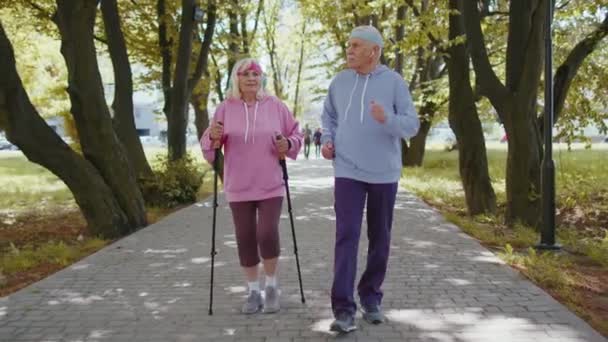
(100, 145)
(199, 96)
(276, 73)
(202, 64)
(164, 45)
(40, 144)
(124, 121)
(415, 153)
(233, 42)
(524, 68)
(299, 76)
(218, 80)
(201, 113)
(464, 121)
(515, 102)
(523, 166)
(255, 23)
(428, 68)
(404, 151)
(178, 120)
(399, 35)
(270, 24)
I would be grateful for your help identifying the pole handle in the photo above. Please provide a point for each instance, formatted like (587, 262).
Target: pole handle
(279, 136)
(217, 144)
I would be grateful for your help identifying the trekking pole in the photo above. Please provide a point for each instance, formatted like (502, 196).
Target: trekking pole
(293, 231)
(216, 148)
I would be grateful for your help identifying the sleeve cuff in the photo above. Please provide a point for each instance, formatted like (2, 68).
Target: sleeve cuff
(389, 118)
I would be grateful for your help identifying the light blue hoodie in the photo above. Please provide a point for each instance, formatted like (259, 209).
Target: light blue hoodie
(367, 150)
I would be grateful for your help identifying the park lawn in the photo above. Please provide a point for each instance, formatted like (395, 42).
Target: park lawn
(41, 227)
(578, 275)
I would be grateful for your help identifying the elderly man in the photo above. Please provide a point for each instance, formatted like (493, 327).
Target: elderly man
(366, 113)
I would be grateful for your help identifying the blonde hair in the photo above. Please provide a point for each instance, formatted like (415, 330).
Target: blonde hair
(233, 88)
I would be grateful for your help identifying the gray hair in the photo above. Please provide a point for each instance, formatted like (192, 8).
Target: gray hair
(233, 89)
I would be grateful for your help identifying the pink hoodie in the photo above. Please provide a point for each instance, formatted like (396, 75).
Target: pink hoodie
(251, 164)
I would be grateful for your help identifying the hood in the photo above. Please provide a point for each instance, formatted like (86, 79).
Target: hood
(380, 68)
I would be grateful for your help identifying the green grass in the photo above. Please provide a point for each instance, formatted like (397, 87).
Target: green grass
(581, 195)
(59, 253)
(438, 180)
(24, 184)
(546, 269)
(490, 231)
(582, 208)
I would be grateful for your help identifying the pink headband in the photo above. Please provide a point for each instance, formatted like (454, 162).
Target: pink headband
(252, 67)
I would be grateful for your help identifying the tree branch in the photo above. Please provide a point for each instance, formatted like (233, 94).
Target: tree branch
(495, 13)
(144, 12)
(257, 19)
(203, 56)
(40, 9)
(218, 79)
(431, 37)
(101, 40)
(568, 70)
(562, 6)
(490, 85)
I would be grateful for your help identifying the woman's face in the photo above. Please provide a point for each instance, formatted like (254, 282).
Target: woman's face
(249, 81)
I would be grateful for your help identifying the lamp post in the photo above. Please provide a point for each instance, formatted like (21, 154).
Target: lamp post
(547, 237)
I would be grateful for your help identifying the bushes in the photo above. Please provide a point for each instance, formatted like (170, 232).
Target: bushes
(173, 183)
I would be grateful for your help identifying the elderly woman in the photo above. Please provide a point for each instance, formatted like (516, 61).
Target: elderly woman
(255, 129)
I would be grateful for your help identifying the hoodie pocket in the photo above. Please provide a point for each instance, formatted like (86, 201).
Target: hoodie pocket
(243, 181)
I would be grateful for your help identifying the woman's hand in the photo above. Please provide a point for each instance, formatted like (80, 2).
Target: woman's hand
(216, 131)
(282, 144)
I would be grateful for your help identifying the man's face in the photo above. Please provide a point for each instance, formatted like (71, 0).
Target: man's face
(359, 53)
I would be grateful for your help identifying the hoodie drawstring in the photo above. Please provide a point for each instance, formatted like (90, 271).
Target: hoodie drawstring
(351, 97)
(255, 115)
(363, 95)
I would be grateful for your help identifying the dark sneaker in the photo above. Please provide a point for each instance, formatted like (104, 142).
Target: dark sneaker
(373, 314)
(271, 300)
(253, 303)
(344, 323)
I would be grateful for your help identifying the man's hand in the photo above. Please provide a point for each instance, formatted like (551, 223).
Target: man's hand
(378, 112)
(328, 151)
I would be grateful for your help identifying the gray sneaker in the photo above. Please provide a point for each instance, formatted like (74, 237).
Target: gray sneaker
(253, 303)
(271, 300)
(373, 314)
(344, 323)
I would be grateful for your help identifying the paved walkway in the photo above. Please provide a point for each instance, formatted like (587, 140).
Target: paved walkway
(153, 285)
